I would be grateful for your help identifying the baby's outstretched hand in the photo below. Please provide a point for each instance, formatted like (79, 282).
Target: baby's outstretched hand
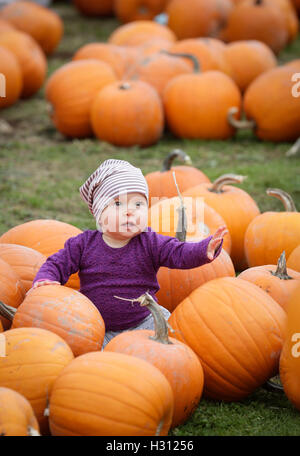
(41, 283)
(215, 241)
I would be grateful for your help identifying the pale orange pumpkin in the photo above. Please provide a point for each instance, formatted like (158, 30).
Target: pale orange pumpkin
(16, 415)
(12, 291)
(276, 280)
(237, 331)
(34, 358)
(271, 233)
(66, 312)
(293, 260)
(139, 32)
(11, 79)
(170, 356)
(71, 89)
(124, 395)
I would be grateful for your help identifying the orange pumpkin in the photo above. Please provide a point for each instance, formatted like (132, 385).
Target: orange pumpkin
(290, 15)
(278, 281)
(139, 32)
(237, 331)
(45, 236)
(12, 291)
(34, 358)
(169, 355)
(197, 105)
(161, 183)
(293, 260)
(289, 368)
(127, 114)
(71, 90)
(16, 415)
(5, 26)
(248, 59)
(257, 20)
(236, 207)
(137, 10)
(11, 79)
(271, 233)
(43, 24)
(31, 58)
(106, 394)
(24, 261)
(94, 7)
(65, 312)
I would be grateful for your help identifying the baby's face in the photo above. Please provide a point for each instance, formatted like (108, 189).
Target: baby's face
(125, 216)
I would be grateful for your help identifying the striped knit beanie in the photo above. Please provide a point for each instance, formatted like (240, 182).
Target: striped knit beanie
(112, 178)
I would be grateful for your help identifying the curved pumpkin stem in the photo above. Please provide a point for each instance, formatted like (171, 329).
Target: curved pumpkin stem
(281, 271)
(239, 124)
(284, 197)
(182, 221)
(294, 150)
(125, 86)
(160, 323)
(226, 179)
(33, 432)
(184, 55)
(175, 153)
(7, 311)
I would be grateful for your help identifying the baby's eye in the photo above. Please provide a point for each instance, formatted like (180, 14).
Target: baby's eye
(117, 203)
(139, 203)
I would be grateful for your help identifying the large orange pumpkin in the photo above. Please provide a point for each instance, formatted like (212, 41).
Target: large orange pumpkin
(289, 368)
(293, 260)
(34, 358)
(170, 356)
(43, 24)
(196, 105)
(71, 90)
(110, 394)
(5, 25)
(139, 32)
(31, 58)
(25, 261)
(45, 236)
(161, 183)
(237, 331)
(278, 281)
(236, 207)
(11, 79)
(128, 114)
(16, 415)
(136, 10)
(271, 233)
(65, 312)
(248, 59)
(12, 291)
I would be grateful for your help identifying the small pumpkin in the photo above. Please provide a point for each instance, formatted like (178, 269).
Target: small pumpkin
(71, 89)
(139, 32)
(276, 280)
(12, 291)
(161, 183)
(137, 10)
(271, 233)
(66, 312)
(16, 415)
(11, 79)
(293, 260)
(136, 110)
(125, 395)
(34, 358)
(169, 355)
(94, 7)
(236, 207)
(237, 331)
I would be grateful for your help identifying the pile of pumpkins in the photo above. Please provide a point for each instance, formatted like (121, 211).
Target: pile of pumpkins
(227, 335)
(149, 77)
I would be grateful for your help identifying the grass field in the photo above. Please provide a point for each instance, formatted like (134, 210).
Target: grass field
(41, 171)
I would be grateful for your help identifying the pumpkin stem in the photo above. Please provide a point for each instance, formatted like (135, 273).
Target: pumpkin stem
(7, 311)
(184, 55)
(284, 197)
(239, 124)
(175, 153)
(125, 86)
(182, 221)
(226, 179)
(160, 323)
(281, 271)
(294, 150)
(32, 432)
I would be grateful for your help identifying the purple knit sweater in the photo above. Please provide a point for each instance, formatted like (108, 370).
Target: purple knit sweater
(127, 271)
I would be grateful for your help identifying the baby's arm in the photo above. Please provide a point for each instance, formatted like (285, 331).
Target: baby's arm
(58, 267)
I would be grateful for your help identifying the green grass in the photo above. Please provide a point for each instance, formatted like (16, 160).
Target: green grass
(41, 171)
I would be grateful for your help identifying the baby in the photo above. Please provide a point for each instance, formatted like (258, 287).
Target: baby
(121, 258)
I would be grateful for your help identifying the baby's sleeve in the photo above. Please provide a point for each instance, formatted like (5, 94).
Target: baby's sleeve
(66, 261)
(174, 254)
